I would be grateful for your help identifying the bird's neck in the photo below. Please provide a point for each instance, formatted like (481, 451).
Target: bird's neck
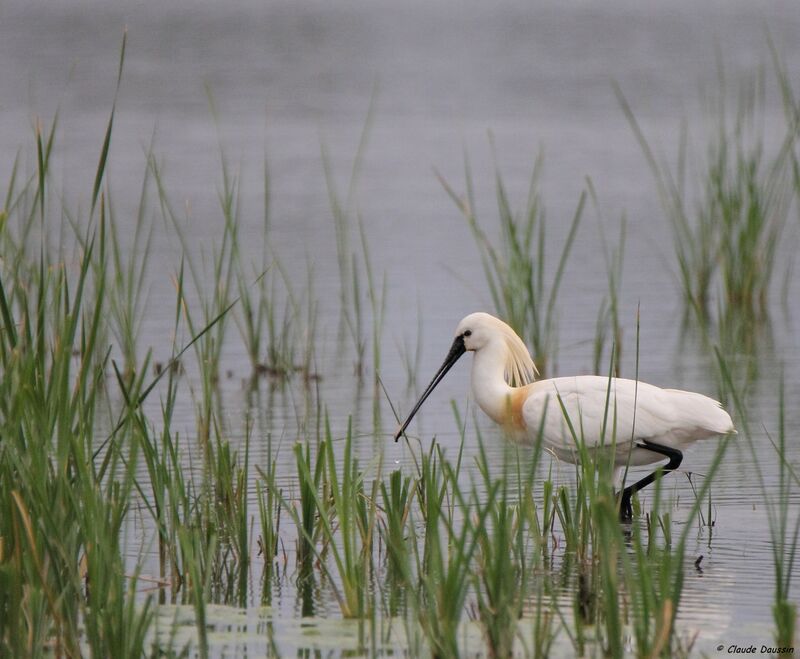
(489, 386)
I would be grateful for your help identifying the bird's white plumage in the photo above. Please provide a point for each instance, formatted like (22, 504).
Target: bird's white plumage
(618, 412)
(510, 350)
(602, 411)
(632, 422)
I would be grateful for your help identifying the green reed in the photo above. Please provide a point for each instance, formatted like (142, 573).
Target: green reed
(61, 527)
(229, 519)
(55, 361)
(168, 499)
(726, 231)
(218, 269)
(355, 509)
(337, 517)
(251, 320)
(460, 545)
(515, 270)
(784, 531)
(277, 323)
(626, 576)
(785, 536)
(444, 564)
(412, 358)
(355, 264)
(608, 316)
(127, 297)
(311, 498)
(507, 543)
(269, 495)
(397, 498)
(61, 533)
(543, 633)
(202, 523)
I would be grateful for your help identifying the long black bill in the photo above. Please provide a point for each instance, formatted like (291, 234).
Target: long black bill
(456, 350)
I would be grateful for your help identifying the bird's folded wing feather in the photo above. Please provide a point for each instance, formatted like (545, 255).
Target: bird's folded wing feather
(601, 411)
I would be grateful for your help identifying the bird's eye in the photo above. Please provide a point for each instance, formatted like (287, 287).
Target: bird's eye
(467, 333)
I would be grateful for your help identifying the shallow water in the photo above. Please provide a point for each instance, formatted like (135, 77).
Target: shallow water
(289, 76)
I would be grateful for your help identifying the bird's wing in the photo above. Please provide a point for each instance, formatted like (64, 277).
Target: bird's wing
(598, 410)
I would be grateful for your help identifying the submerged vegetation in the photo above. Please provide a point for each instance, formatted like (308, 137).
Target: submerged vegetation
(114, 506)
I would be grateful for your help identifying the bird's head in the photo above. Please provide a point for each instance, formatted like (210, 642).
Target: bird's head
(475, 332)
(479, 329)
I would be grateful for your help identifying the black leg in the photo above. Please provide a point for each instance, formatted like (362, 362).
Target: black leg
(675, 458)
(625, 508)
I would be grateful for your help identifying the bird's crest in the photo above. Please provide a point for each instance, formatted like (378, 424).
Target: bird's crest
(520, 369)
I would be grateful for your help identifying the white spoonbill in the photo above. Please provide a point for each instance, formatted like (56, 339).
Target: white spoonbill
(650, 423)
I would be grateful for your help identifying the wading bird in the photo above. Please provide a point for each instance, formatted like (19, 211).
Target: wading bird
(649, 423)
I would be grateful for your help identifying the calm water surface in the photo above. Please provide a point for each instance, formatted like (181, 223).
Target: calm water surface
(289, 76)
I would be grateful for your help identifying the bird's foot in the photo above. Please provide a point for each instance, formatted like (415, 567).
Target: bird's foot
(625, 508)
